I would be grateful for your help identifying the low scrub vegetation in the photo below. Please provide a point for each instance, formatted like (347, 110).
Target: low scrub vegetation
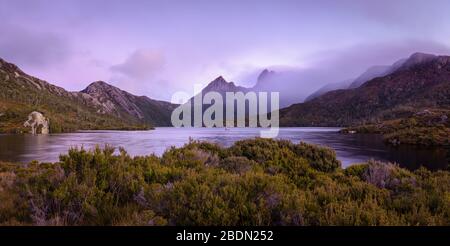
(426, 127)
(253, 182)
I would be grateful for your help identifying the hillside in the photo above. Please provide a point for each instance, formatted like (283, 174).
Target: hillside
(369, 74)
(421, 82)
(21, 94)
(426, 127)
(329, 87)
(115, 101)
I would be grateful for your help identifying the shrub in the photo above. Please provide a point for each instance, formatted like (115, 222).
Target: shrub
(237, 164)
(254, 182)
(320, 158)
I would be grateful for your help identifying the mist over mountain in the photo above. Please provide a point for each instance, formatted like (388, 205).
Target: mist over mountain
(329, 87)
(373, 72)
(410, 82)
(370, 73)
(293, 86)
(422, 81)
(291, 92)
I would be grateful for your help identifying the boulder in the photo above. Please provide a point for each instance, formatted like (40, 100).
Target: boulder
(38, 123)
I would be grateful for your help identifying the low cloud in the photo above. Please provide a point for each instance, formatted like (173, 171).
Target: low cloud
(141, 64)
(353, 60)
(332, 66)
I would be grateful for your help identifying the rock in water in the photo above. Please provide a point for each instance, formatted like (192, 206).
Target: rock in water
(38, 123)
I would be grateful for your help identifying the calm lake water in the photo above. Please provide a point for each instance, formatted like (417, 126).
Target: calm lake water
(350, 148)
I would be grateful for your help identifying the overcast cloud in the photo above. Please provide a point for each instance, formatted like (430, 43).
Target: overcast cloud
(155, 48)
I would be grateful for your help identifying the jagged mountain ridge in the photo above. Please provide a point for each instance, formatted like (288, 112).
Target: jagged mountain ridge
(222, 86)
(421, 81)
(115, 101)
(21, 94)
(371, 73)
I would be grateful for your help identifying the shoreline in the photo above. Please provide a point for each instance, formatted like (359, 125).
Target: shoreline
(252, 182)
(47, 148)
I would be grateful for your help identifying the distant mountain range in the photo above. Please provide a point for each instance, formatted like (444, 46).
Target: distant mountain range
(421, 81)
(267, 81)
(263, 84)
(369, 74)
(99, 106)
(295, 89)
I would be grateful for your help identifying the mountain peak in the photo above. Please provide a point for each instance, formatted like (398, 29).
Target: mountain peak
(219, 80)
(263, 80)
(221, 85)
(96, 86)
(99, 83)
(264, 74)
(418, 58)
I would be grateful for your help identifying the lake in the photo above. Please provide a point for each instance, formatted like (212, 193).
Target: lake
(350, 148)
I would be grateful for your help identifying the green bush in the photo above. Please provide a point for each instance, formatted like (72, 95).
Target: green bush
(253, 182)
(320, 158)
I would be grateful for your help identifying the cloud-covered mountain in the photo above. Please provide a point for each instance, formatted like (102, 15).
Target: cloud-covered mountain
(371, 73)
(422, 81)
(293, 88)
(329, 87)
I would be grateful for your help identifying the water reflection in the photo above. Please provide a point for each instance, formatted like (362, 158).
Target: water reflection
(349, 148)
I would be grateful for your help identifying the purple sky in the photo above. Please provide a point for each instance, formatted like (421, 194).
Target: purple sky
(155, 48)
